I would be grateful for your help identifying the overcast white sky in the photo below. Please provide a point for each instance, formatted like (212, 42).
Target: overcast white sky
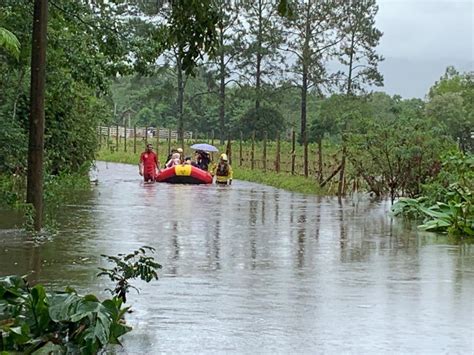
(421, 38)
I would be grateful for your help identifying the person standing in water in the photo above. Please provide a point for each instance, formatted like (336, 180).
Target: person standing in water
(223, 171)
(149, 165)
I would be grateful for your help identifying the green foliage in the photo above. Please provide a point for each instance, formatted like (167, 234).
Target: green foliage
(409, 207)
(57, 189)
(336, 113)
(14, 146)
(130, 266)
(29, 216)
(192, 25)
(394, 148)
(456, 173)
(12, 189)
(75, 84)
(260, 37)
(451, 103)
(447, 201)
(71, 138)
(357, 52)
(9, 42)
(450, 82)
(189, 25)
(265, 119)
(33, 320)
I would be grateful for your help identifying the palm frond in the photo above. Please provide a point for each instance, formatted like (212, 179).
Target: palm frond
(9, 42)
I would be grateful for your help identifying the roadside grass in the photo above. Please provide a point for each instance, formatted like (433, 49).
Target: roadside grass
(284, 181)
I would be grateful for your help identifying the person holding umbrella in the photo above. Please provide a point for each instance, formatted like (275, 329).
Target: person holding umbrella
(202, 156)
(202, 160)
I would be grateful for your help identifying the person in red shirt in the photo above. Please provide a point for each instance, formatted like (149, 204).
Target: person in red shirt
(149, 166)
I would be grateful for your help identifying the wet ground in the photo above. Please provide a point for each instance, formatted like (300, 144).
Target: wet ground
(253, 269)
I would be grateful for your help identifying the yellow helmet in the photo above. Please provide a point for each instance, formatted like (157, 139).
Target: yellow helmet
(224, 157)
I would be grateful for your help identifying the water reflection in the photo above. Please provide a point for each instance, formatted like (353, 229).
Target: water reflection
(250, 267)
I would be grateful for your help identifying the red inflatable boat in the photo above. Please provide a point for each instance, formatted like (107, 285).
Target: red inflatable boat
(184, 174)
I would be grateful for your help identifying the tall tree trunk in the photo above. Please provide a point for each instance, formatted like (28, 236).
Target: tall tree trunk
(351, 65)
(320, 160)
(259, 58)
(179, 104)
(34, 188)
(222, 88)
(258, 82)
(340, 188)
(304, 91)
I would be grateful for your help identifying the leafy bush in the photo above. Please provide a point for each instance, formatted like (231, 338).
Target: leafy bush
(130, 266)
(33, 320)
(12, 189)
(14, 145)
(447, 201)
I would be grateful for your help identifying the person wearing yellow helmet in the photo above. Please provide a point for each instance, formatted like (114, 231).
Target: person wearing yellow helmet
(223, 171)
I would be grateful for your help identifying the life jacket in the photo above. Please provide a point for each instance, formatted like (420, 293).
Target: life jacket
(222, 169)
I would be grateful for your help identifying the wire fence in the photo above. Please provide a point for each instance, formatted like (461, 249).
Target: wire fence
(279, 155)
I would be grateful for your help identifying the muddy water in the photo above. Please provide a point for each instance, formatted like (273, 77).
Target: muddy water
(252, 269)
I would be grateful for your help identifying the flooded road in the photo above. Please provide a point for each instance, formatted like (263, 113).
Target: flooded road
(252, 269)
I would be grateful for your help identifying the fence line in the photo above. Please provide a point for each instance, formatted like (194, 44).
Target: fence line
(266, 155)
(140, 132)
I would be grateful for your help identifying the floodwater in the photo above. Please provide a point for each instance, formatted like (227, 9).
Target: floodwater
(253, 269)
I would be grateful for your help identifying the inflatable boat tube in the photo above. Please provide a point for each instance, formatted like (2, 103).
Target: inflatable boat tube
(184, 174)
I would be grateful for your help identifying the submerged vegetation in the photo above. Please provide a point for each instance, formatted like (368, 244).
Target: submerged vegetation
(57, 190)
(130, 266)
(35, 320)
(447, 202)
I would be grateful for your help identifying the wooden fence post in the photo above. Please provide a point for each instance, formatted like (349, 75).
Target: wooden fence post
(157, 141)
(146, 135)
(228, 150)
(169, 141)
(252, 156)
(241, 158)
(265, 136)
(212, 137)
(125, 137)
(135, 139)
(293, 153)
(190, 137)
(277, 159)
(305, 156)
(108, 136)
(320, 161)
(117, 138)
